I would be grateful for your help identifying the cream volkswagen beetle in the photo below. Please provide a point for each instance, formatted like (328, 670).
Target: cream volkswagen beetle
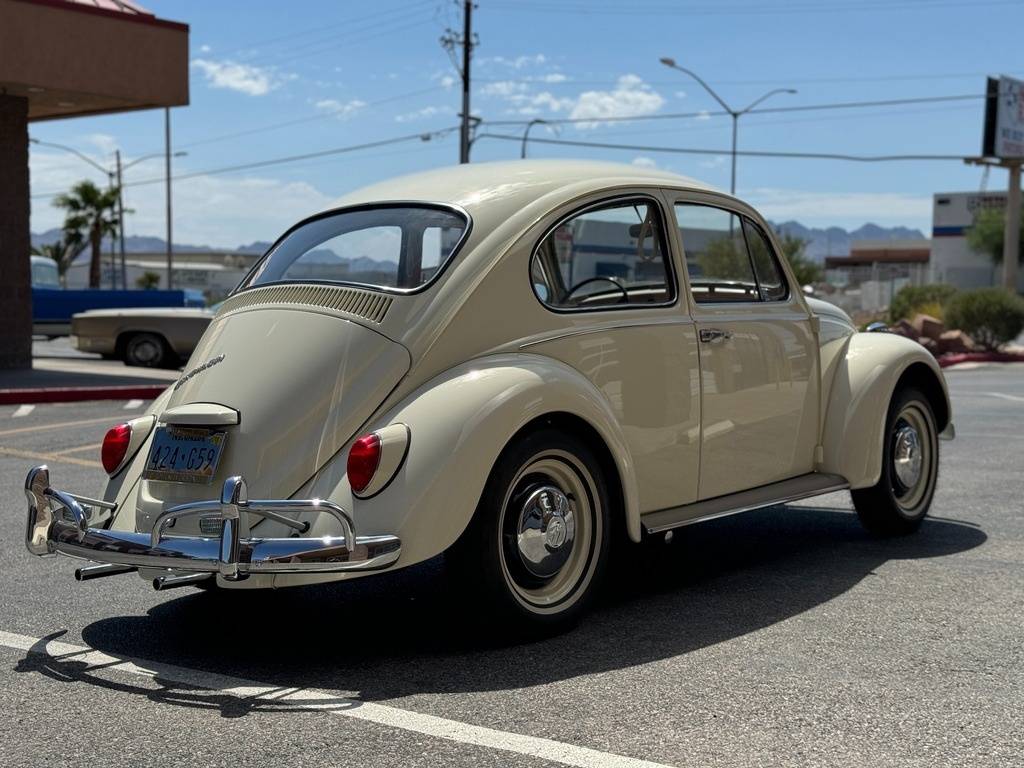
(510, 364)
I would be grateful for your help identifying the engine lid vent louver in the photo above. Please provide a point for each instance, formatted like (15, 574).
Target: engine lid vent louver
(368, 305)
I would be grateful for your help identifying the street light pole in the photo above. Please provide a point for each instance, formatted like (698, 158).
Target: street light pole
(120, 218)
(736, 114)
(526, 134)
(167, 175)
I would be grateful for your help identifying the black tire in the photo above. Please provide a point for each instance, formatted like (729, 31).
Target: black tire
(895, 505)
(149, 350)
(553, 474)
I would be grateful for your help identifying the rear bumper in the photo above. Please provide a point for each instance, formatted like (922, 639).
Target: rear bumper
(58, 523)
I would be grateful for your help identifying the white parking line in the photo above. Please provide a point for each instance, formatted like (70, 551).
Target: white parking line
(22, 410)
(1011, 398)
(306, 699)
(131, 405)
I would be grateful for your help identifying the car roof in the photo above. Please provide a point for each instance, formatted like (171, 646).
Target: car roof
(510, 185)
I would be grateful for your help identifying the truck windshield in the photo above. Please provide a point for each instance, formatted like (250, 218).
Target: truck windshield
(400, 247)
(44, 273)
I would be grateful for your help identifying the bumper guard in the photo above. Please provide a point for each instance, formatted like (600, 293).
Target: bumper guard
(58, 523)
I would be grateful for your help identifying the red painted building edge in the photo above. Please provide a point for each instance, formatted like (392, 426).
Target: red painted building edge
(78, 394)
(135, 14)
(981, 357)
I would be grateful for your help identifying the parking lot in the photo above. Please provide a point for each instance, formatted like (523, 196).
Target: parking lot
(781, 637)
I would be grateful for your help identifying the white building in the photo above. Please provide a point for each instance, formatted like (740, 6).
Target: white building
(952, 260)
(215, 274)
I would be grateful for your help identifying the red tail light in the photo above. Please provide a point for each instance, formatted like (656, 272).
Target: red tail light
(363, 458)
(115, 446)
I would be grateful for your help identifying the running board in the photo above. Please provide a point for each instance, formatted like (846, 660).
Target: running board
(812, 484)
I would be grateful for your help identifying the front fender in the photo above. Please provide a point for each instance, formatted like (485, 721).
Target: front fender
(459, 422)
(863, 386)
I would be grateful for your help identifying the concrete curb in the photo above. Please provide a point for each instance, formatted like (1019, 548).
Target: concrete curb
(78, 394)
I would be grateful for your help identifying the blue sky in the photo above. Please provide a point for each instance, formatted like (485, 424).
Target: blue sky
(345, 73)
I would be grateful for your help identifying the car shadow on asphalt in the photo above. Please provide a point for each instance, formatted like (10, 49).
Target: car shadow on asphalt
(414, 631)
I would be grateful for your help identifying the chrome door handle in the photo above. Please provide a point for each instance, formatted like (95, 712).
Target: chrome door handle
(707, 335)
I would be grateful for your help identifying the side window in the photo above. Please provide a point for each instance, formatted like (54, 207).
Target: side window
(604, 257)
(766, 267)
(716, 254)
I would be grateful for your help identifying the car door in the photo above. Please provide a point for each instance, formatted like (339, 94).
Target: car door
(757, 351)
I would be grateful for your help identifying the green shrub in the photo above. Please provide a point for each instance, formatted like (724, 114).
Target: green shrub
(990, 316)
(912, 299)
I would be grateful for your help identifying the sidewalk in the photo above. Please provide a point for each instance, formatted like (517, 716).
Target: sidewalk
(59, 376)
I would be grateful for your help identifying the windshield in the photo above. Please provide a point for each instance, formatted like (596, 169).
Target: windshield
(44, 273)
(389, 247)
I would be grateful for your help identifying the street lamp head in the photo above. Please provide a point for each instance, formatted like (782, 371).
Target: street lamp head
(790, 90)
(668, 61)
(180, 153)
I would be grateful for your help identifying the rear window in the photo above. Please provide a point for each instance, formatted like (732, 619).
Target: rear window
(399, 247)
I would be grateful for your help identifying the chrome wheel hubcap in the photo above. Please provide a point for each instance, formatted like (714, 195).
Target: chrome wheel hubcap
(907, 458)
(546, 531)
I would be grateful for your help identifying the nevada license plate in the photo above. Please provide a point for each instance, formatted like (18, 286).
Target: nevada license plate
(184, 454)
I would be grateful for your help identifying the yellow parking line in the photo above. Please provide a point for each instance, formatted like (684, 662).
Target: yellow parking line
(89, 447)
(115, 419)
(47, 457)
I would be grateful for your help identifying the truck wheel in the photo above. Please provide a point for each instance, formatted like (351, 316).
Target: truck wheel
(537, 545)
(148, 350)
(910, 467)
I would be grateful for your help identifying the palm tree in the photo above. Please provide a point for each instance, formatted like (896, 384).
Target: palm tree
(63, 251)
(91, 214)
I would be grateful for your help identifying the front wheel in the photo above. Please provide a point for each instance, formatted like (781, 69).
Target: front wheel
(538, 542)
(910, 467)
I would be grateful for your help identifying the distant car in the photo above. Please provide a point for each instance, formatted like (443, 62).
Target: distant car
(514, 366)
(152, 337)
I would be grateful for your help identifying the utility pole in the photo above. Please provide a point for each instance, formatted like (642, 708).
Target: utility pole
(468, 42)
(167, 174)
(120, 218)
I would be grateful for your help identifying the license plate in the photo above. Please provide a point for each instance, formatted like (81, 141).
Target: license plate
(184, 455)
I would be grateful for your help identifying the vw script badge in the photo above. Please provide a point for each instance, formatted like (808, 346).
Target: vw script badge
(197, 370)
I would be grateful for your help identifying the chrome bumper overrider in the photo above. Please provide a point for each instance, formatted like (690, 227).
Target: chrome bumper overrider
(58, 522)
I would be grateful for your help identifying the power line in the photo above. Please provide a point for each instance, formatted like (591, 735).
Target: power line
(763, 110)
(422, 136)
(747, 153)
(677, 9)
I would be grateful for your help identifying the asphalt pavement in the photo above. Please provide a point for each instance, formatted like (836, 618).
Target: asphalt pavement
(782, 637)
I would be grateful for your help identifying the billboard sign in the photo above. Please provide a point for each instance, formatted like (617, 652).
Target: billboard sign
(1004, 118)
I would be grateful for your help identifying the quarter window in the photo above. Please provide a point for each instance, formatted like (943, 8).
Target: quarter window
(609, 256)
(728, 258)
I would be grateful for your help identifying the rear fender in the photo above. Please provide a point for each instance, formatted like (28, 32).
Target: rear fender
(458, 424)
(866, 378)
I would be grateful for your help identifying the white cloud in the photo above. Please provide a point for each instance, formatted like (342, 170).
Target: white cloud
(680, 94)
(104, 142)
(447, 81)
(341, 109)
(714, 162)
(204, 49)
(632, 97)
(516, 62)
(421, 114)
(841, 208)
(244, 78)
(644, 162)
(553, 77)
(703, 115)
(505, 88)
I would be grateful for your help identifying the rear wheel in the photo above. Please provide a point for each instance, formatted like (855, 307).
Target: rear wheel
(149, 350)
(910, 466)
(538, 543)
